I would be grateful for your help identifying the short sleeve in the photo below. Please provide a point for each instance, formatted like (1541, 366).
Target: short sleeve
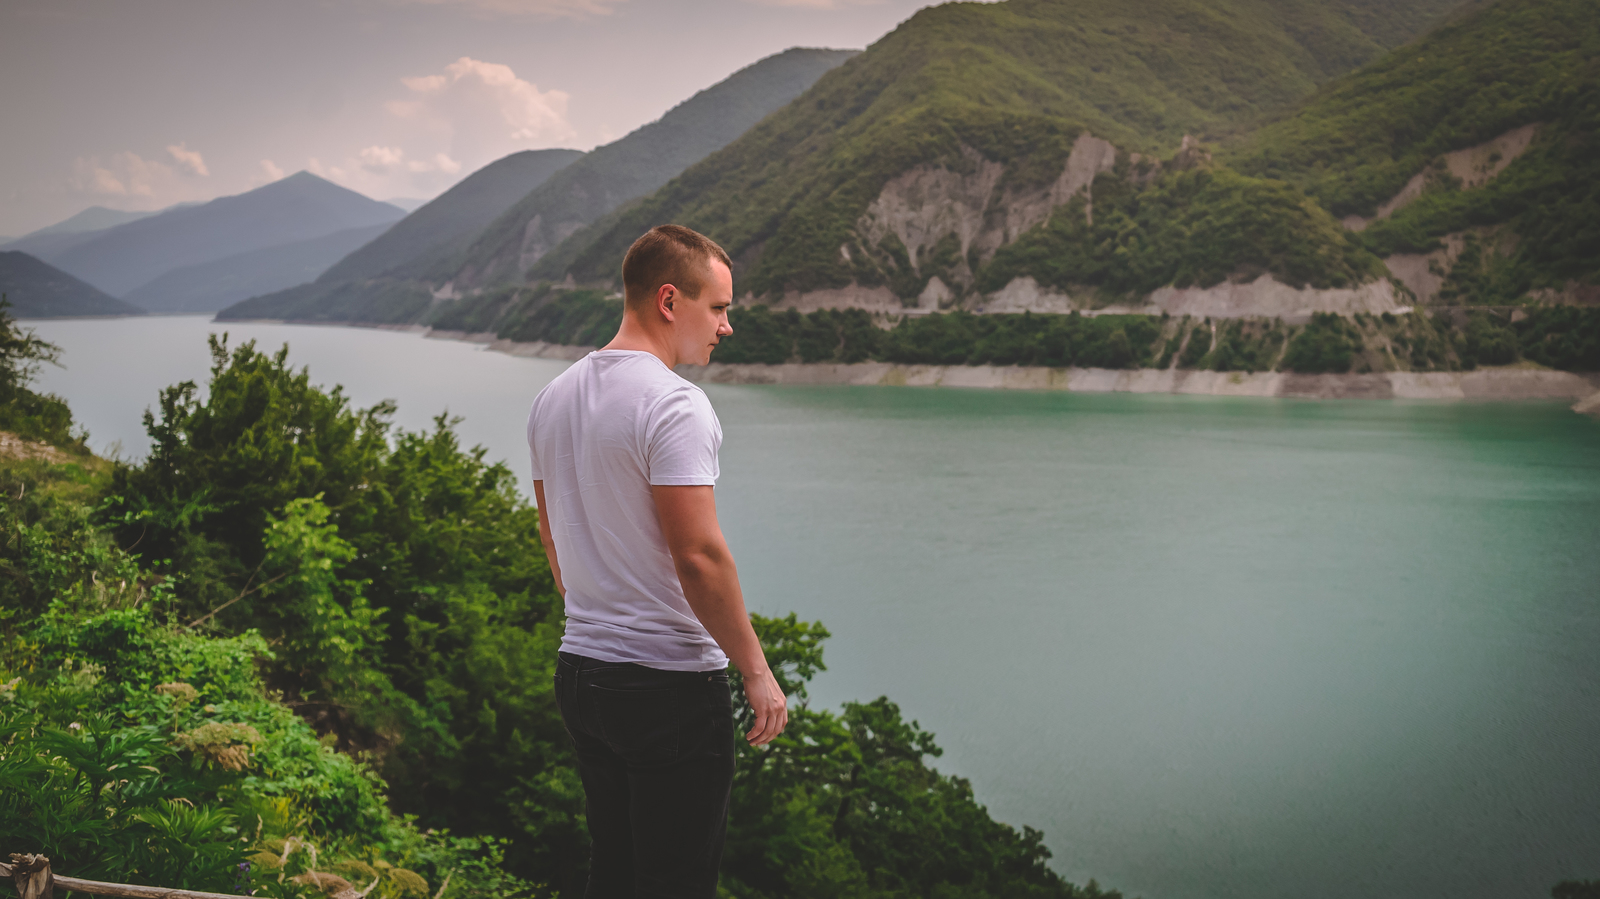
(682, 438)
(533, 449)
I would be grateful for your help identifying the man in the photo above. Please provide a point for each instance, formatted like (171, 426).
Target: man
(624, 460)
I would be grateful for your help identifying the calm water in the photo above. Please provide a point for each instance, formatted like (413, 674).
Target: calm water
(1212, 647)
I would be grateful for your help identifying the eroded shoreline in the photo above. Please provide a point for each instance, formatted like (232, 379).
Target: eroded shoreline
(1510, 383)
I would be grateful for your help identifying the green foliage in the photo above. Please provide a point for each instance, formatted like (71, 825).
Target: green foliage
(1498, 67)
(844, 804)
(1486, 341)
(1564, 337)
(579, 317)
(1576, 889)
(1188, 228)
(955, 338)
(22, 411)
(376, 301)
(412, 616)
(1328, 344)
(1247, 345)
(1197, 344)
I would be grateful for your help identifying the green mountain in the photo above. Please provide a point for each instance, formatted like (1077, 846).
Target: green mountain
(209, 286)
(637, 164)
(439, 231)
(517, 228)
(1469, 160)
(37, 289)
(975, 111)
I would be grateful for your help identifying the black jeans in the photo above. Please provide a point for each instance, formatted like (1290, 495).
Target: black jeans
(655, 751)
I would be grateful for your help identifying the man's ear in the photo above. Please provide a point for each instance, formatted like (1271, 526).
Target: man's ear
(665, 294)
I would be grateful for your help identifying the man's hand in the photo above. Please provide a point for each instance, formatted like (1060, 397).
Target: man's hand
(711, 585)
(770, 705)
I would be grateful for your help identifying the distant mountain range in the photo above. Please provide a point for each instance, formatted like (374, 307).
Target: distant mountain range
(37, 289)
(50, 243)
(300, 207)
(209, 286)
(434, 250)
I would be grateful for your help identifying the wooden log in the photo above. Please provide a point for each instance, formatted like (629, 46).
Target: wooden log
(31, 873)
(133, 891)
(35, 880)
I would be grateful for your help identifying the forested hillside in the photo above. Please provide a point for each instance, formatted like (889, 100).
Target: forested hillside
(298, 650)
(958, 130)
(1521, 81)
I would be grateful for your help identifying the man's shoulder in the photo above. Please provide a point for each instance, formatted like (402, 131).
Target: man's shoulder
(639, 380)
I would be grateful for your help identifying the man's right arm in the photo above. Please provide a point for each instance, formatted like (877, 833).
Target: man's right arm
(546, 539)
(711, 585)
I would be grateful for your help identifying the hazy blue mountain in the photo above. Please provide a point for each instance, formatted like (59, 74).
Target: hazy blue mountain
(637, 164)
(50, 243)
(444, 227)
(38, 289)
(49, 247)
(95, 218)
(214, 285)
(409, 204)
(299, 207)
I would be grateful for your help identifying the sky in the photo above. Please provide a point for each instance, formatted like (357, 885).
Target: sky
(140, 104)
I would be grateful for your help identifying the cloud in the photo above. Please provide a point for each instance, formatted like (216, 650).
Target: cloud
(187, 159)
(484, 104)
(136, 182)
(381, 160)
(125, 174)
(271, 170)
(539, 9)
(444, 124)
(816, 4)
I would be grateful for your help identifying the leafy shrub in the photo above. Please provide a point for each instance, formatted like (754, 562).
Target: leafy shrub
(575, 317)
(1564, 337)
(22, 411)
(1486, 341)
(1327, 344)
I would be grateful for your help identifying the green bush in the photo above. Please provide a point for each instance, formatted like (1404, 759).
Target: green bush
(1328, 344)
(1564, 337)
(22, 411)
(1487, 341)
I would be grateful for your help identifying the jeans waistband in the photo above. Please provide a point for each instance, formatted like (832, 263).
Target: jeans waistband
(576, 663)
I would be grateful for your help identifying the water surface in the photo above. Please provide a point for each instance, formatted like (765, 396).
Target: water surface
(1213, 647)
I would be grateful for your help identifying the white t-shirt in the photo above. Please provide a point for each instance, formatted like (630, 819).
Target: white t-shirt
(600, 434)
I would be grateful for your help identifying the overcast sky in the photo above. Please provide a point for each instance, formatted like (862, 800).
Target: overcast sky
(139, 104)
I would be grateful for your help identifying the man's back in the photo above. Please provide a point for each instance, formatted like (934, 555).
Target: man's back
(600, 435)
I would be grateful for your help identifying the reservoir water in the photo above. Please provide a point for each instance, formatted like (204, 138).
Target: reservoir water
(1213, 648)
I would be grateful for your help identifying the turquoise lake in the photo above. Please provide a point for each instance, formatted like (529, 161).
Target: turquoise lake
(1212, 647)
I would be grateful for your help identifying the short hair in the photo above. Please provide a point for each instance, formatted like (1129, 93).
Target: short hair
(668, 254)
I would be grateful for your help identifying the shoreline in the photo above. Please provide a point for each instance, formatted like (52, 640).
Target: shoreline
(1509, 384)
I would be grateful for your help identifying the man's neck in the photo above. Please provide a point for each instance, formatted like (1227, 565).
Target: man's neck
(635, 336)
